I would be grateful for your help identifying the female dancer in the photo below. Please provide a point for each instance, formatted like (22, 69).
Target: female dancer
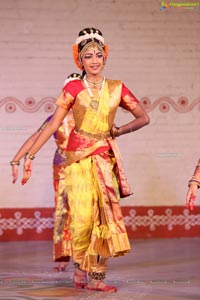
(61, 236)
(194, 184)
(94, 174)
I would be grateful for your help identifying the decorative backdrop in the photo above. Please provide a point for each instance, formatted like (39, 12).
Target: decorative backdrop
(141, 222)
(155, 51)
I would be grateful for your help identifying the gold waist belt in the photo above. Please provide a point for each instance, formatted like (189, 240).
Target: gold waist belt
(97, 136)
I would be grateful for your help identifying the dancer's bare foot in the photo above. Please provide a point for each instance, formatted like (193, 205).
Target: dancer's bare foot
(80, 278)
(99, 285)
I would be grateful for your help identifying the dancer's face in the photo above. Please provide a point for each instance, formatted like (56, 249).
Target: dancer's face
(93, 60)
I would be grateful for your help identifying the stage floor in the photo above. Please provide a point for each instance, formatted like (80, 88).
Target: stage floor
(158, 269)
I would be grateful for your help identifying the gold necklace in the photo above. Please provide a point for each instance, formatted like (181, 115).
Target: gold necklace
(95, 84)
(94, 104)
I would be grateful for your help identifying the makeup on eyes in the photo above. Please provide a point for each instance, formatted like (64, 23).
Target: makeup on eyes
(90, 55)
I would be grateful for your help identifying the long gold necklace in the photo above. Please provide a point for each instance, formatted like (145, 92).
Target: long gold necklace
(94, 104)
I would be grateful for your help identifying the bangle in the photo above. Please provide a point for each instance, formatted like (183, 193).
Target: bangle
(195, 182)
(29, 155)
(114, 133)
(117, 134)
(15, 162)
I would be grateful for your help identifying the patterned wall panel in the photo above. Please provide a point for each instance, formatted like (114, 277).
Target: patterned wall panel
(47, 104)
(141, 222)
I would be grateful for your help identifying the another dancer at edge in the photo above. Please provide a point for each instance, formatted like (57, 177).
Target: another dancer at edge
(62, 235)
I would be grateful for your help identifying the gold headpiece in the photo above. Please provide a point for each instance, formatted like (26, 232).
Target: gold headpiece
(88, 37)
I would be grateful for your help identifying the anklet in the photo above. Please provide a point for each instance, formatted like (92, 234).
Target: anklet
(77, 265)
(97, 276)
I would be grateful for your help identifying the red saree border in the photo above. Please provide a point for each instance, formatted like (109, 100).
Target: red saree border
(28, 224)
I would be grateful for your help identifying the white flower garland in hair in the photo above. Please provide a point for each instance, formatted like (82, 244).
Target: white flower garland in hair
(89, 36)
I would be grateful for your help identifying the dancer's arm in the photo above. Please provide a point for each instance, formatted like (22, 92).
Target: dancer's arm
(23, 150)
(140, 120)
(47, 132)
(194, 184)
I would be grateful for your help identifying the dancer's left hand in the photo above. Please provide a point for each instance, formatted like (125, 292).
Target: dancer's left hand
(14, 173)
(114, 131)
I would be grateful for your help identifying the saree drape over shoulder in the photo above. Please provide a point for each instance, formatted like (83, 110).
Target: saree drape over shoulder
(95, 178)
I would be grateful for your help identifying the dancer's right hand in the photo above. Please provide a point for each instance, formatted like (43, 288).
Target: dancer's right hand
(27, 170)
